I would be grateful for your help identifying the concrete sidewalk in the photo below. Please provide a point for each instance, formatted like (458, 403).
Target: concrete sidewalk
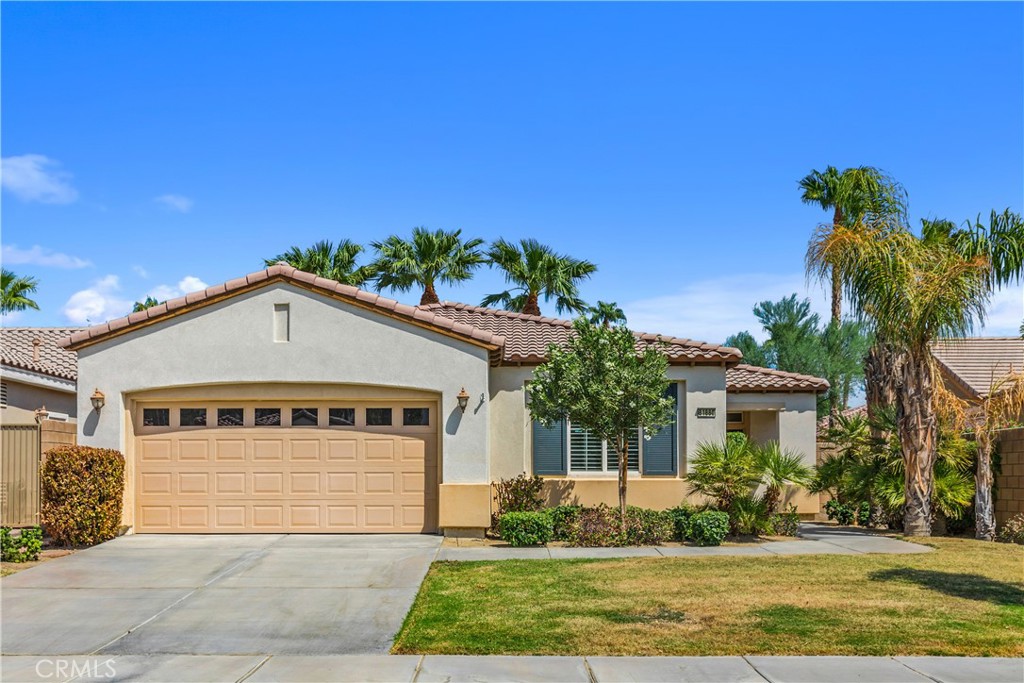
(814, 539)
(421, 669)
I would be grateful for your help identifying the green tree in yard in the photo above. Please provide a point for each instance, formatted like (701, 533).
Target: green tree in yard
(17, 291)
(851, 195)
(753, 352)
(338, 263)
(724, 471)
(607, 313)
(780, 468)
(601, 383)
(150, 302)
(536, 270)
(425, 260)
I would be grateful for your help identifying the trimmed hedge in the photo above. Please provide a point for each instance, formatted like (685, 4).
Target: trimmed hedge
(709, 527)
(647, 527)
(82, 492)
(562, 519)
(681, 516)
(23, 547)
(525, 528)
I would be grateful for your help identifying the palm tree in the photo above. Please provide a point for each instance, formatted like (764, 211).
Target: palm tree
(150, 302)
(913, 292)
(607, 313)
(537, 270)
(780, 468)
(16, 291)
(851, 195)
(724, 471)
(327, 261)
(426, 259)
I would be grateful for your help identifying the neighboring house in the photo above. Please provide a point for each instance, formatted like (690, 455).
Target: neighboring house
(281, 401)
(35, 373)
(970, 367)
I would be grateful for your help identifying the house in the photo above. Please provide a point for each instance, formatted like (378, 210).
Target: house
(281, 401)
(36, 374)
(970, 367)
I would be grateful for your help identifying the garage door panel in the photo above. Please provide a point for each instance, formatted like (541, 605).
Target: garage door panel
(279, 479)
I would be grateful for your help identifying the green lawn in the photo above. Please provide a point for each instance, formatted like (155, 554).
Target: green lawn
(965, 598)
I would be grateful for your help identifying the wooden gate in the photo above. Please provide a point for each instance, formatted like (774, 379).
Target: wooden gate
(19, 475)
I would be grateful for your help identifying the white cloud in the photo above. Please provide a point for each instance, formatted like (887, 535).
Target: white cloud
(187, 284)
(97, 303)
(36, 178)
(711, 310)
(141, 272)
(175, 202)
(41, 256)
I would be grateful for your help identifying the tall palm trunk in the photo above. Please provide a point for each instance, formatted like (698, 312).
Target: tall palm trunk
(918, 436)
(531, 307)
(984, 512)
(881, 366)
(837, 277)
(429, 295)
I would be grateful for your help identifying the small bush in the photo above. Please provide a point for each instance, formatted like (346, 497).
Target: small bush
(709, 527)
(525, 528)
(595, 527)
(520, 494)
(562, 518)
(748, 516)
(681, 516)
(23, 547)
(864, 514)
(82, 490)
(786, 523)
(646, 527)
(840, 512)
(1013, 530)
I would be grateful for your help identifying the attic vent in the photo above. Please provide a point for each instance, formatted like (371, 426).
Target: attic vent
(281, 323)
(3, 394)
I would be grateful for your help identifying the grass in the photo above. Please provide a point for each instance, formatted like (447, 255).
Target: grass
(965, 598)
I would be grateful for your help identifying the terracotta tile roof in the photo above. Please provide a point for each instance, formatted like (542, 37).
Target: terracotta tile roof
(285, 273)
(527, 337)
(976, 362)
(753, 378)
(18, 351)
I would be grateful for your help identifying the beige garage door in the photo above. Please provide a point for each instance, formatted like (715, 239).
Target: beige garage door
(287, 466)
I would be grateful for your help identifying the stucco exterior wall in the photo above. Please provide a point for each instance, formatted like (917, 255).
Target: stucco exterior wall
(23, 400)
(232, 342)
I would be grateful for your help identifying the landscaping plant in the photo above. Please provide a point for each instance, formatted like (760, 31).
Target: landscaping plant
(562, 519)
(785, 523)
(1013, 530)
(595, 527)
(647, 527)
(23, 547)
(709, 527)
(681, 516)
(525, 528)
(82, 489)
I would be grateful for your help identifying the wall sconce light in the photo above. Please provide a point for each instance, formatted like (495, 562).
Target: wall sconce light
(98, 400)
(463, 399)
(42, 414)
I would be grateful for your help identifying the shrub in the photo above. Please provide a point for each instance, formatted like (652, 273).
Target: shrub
(525, 528)
(1013, 530)
(562, 518)
(864, 514)
(786, 523)
(520, 494)
(748, 516)
(24, 547)
(709, 527)
(595, 527)
(82, 490)
(840, 512)
(681, 516)
(646, 527)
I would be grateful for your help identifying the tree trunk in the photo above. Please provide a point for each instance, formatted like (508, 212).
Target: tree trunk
(881, 368)
(918, 436)
(623, 448)
(984, 512)
(429, 295)
(531, 307)
(837, 277)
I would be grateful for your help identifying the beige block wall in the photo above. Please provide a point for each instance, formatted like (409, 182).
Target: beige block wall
(1010, 481)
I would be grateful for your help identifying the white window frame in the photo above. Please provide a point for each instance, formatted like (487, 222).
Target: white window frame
(604, 471)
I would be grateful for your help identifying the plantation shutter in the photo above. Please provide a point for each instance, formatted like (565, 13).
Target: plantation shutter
(660, 450)
(549, 448)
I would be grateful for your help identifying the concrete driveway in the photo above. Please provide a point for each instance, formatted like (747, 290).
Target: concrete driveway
(217, 595)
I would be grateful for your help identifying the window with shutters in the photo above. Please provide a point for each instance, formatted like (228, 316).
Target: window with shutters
(587, 453)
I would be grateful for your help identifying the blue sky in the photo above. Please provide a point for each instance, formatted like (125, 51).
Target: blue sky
(151, 148)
